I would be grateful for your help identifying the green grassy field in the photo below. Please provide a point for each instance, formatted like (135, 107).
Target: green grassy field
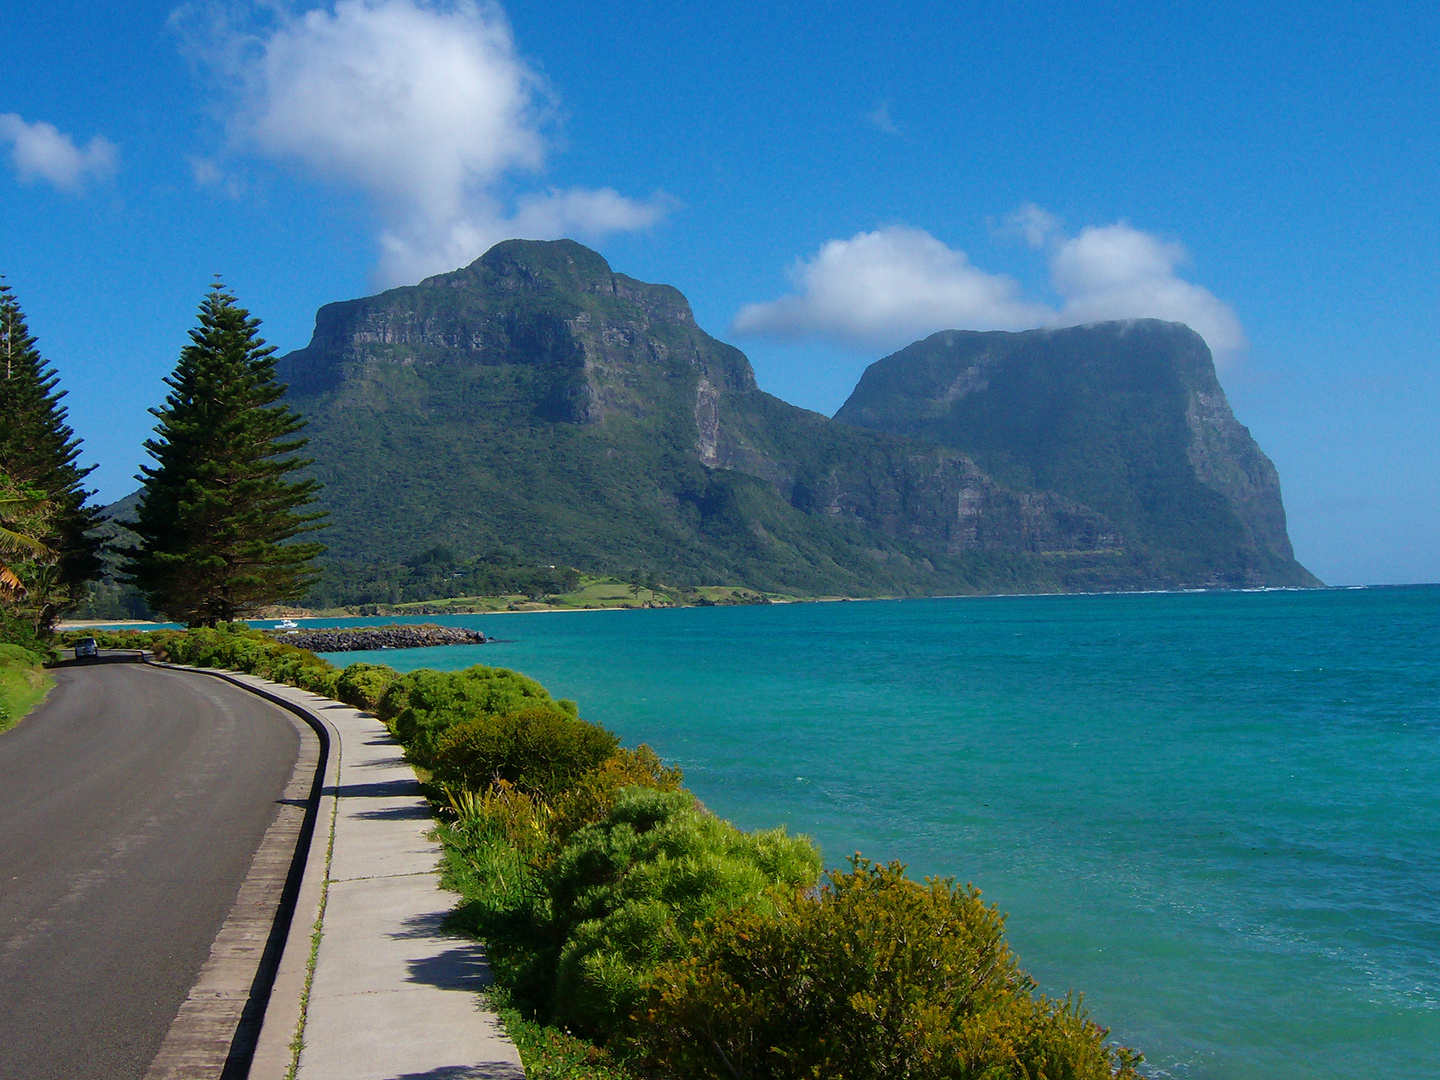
(23, 683)
(593, 593)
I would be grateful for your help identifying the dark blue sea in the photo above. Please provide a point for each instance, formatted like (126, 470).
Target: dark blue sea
(1216, 815)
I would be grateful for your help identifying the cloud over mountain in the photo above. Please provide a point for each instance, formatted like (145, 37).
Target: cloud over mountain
(881, 290)
(1118, 272)
(428, 108)
(40, 151)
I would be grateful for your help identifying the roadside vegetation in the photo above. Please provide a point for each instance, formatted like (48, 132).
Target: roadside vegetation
(47, 551)
(218, 523)
(216, 532)
(23, 683)
(633, 934)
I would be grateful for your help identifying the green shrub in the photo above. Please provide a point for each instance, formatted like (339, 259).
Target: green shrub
(592, 797)
(289, 664)
(16, 629)
(321, 681)
(115, 639)
(421, 705)
(23, 682)
(18, 655)
(880, 979)
(230, 645)
(236, 647)
(504, 813)
(625, 893)
(363, 685)
(539, 749)
(493, 848)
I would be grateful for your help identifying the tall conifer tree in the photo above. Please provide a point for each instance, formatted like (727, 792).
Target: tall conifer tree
(39, 451)
(217, 514)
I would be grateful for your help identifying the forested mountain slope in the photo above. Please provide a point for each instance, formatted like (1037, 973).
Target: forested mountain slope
(537, 401)
(1127, 418)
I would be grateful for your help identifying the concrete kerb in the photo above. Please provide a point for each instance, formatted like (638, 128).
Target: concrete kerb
(277, 993)
(277, 1048)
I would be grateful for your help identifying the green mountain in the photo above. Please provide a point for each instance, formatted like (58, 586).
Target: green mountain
(1124, 417)
(537, 403)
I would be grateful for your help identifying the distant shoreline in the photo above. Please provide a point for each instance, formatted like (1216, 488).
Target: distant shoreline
(551, 609)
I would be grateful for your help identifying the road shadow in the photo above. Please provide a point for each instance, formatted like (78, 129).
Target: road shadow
(107, 657)
(489, 1070)
(460, 968)
(430, 925)
(381, 789)
(397, 813)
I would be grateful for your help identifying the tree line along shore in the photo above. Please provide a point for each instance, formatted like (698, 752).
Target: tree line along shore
(220, 528)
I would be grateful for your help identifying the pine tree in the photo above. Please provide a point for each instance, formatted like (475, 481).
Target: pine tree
(217, 513)
(39, 451)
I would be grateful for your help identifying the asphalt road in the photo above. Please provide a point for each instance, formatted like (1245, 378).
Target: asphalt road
(131, 804)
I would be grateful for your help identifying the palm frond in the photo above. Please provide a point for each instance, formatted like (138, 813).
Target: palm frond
(10, 585)
(17, 543)
(21, 502)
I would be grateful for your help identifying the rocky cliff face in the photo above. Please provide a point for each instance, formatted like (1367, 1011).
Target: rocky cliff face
(539, 401)
(595, 343)
(1126, 418)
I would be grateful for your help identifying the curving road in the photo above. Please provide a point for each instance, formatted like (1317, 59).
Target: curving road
(131, 805)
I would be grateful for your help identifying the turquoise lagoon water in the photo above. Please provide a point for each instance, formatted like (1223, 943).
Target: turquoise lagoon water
(1216, 815)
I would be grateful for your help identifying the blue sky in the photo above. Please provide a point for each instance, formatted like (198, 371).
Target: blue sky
(824, 182)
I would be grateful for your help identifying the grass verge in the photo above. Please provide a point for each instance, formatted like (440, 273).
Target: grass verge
(23, 684)
(548, 1053)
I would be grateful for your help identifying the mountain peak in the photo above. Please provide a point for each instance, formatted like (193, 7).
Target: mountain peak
(560, 268)
(556, 303)
(1125, 417)
(560, 265)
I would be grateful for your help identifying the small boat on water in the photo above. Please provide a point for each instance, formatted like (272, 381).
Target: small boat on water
(287, 624)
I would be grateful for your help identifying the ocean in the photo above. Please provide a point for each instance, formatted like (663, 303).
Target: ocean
(1216, 815)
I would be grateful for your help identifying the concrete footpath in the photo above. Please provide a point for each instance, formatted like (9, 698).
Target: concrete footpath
(390, 995)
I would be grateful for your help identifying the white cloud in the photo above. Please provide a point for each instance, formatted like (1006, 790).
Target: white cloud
(590, 213)
(428, 108)
(1118, 272)
(41, 151)
(884, 289)
(1034, 225)
(206, 172)
(879, 117)
(407, 255)
(209, 174)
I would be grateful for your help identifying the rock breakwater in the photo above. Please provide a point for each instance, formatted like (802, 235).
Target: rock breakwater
(355, 638)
